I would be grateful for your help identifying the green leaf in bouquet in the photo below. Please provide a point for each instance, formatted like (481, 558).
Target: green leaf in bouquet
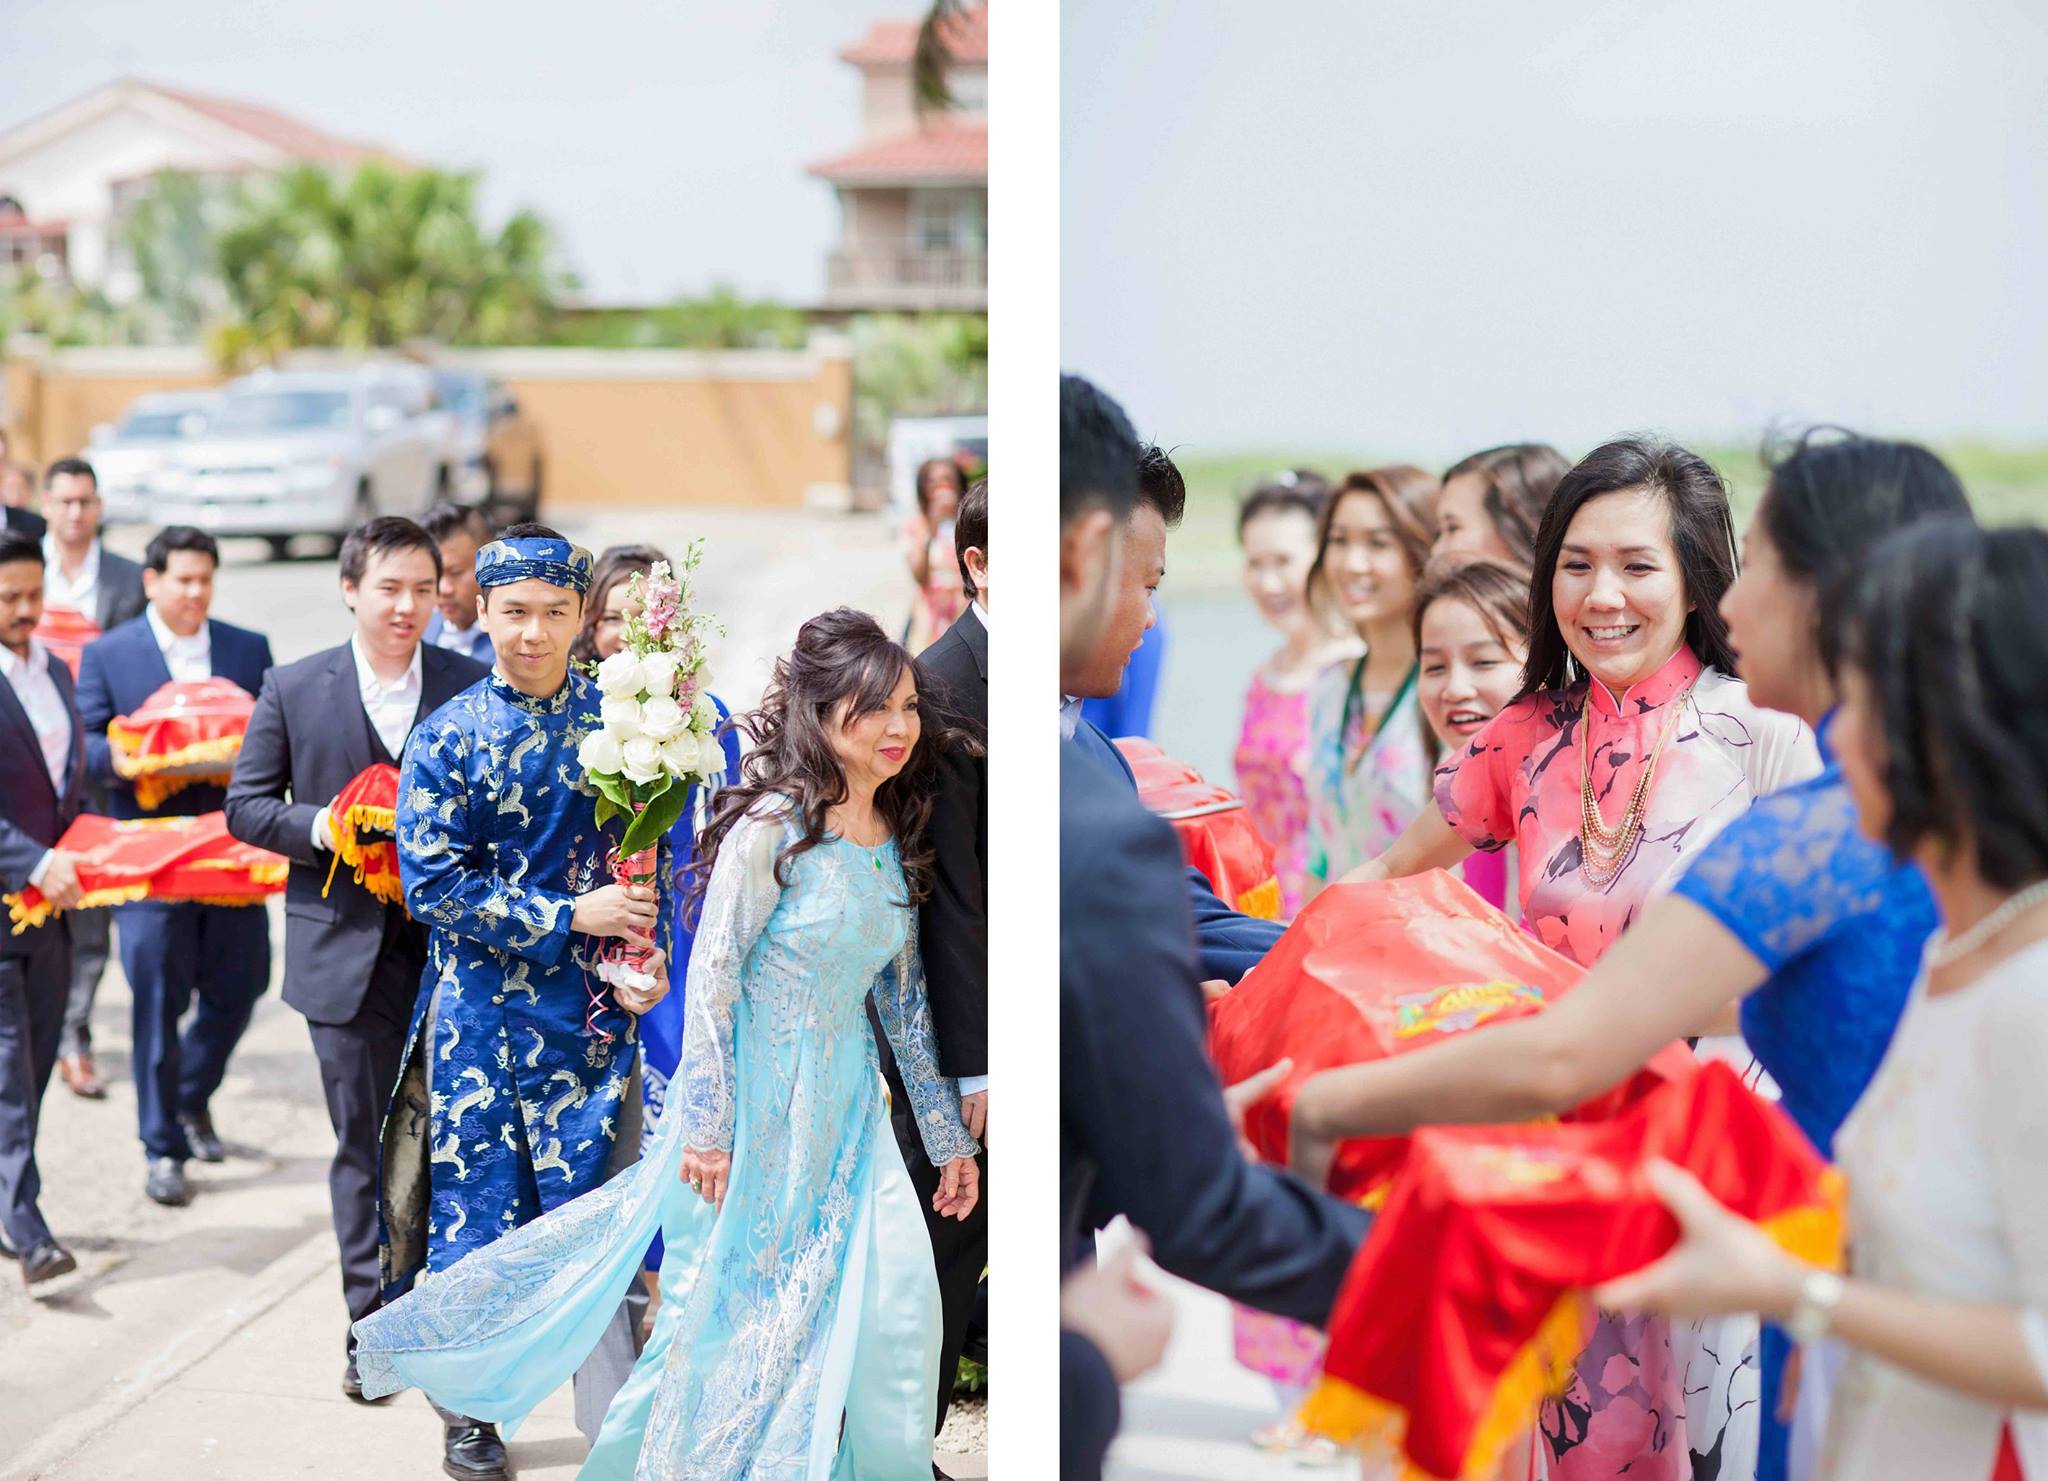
(606, 808)
(663, 808)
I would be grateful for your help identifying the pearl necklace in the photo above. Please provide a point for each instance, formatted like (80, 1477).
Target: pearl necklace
(1941, 951)
(1604, 851)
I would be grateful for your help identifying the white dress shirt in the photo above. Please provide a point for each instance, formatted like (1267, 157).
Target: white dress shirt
(187, 658)
(455, 639)
(59, 590)
(30, 679)
(391, 707)
(979, 610)
(1070, 716)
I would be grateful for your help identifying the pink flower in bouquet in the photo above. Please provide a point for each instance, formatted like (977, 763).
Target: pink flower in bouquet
(664, 599)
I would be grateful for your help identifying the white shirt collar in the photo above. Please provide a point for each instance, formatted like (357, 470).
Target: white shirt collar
(88, 569)
(980, 612)
(34, 666)
(168, 641)
(373, 687)
(1070, 716)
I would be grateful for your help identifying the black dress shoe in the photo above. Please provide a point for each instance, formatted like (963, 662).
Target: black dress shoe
(475, 1453)
(46, 1261)
(166, 1183)
(199, 1132)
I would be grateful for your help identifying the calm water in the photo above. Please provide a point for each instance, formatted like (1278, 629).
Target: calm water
(1213, 642)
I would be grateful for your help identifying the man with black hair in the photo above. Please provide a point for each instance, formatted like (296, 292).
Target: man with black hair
(1144, 1127)
(172, 952)
(456, 625)
(1230, 941)
(83, 576)
(352, 961)
(42, 776)
(516, 1090)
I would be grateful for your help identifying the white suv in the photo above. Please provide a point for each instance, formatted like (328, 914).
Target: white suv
(289, 453)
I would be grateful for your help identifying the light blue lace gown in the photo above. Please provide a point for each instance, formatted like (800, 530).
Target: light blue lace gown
(810, 1295)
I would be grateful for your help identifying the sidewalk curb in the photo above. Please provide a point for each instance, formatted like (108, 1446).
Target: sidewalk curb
(305, 1262)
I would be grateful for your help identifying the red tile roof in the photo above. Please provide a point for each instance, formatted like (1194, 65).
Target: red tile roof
(300, 141)
(946, 148)
(966, 41)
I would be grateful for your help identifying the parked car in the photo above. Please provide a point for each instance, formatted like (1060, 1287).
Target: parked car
(127, 455)
(496, 452)
(305, 452)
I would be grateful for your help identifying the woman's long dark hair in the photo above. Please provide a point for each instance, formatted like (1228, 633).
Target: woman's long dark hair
(617, 565)
(1833, 495)
(1943, 621)
(1702, 534)
(1520, 478)
(1406, 496)
(841, 658)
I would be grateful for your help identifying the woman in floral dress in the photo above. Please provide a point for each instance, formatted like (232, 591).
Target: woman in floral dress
(1368, 748)
(1276, 526)
(1631, 746)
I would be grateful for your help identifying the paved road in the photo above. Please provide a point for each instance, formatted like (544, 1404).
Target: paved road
(206, 1342)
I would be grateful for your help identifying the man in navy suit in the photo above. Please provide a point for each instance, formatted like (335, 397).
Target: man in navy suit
(172, 952)
(42, 772)
(1144, 1128)
(1230, 941)
(460, 533)
(81, 574)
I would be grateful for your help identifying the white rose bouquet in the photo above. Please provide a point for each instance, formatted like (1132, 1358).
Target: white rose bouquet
(655, 738)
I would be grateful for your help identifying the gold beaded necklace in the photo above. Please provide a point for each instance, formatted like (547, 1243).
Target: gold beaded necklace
(1603, 850)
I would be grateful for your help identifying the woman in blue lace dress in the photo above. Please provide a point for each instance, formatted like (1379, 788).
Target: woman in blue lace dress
(798, 1334)
(1813, 929)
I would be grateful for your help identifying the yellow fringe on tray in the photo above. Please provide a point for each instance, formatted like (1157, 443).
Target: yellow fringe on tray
(28, 917)
(1261, 900)
(386, 886)
(151, 788)
(1542, 1368)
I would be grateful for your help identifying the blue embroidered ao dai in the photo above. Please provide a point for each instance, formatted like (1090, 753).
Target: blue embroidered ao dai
(809, 1298)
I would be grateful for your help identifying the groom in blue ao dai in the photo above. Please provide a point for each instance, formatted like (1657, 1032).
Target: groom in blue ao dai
(525, 1080)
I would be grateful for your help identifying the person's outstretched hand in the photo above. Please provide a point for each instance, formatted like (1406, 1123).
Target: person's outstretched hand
(1248, 1092)
(959, 1189)
(1128, 1322)
(707, 1173)
(1722, 1263)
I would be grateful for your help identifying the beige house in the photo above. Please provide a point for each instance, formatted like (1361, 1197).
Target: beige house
(913, 195)
(69, 177)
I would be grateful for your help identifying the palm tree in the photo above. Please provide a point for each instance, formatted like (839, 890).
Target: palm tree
(379, 258)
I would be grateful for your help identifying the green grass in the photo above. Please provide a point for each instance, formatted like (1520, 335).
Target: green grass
(2009, 485)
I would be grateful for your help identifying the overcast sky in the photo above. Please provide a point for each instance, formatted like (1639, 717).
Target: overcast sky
(1420, 228)
(665, 140)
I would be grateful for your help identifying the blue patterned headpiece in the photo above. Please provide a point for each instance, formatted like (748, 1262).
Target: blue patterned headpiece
(528, 558)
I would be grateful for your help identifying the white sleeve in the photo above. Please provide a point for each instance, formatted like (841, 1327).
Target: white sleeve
(1785, 752)
(2012, 1094)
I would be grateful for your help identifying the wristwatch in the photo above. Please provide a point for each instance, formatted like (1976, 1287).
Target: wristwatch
(1814, 1312)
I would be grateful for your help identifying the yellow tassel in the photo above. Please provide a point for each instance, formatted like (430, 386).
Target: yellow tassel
(1261, 900)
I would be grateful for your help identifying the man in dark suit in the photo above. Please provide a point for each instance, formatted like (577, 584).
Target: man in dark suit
(953, 938)
(170, 952)
(1144, 1128)
(352, 962)
(42, 769)
(84, 576)
(1230, 942)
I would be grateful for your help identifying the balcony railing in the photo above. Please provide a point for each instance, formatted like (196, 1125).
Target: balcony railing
(904, 275)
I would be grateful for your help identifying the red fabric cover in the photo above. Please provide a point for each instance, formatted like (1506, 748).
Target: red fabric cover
(1371, 970)
(1216, 834)
(1466, 1301)
(65, 633)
